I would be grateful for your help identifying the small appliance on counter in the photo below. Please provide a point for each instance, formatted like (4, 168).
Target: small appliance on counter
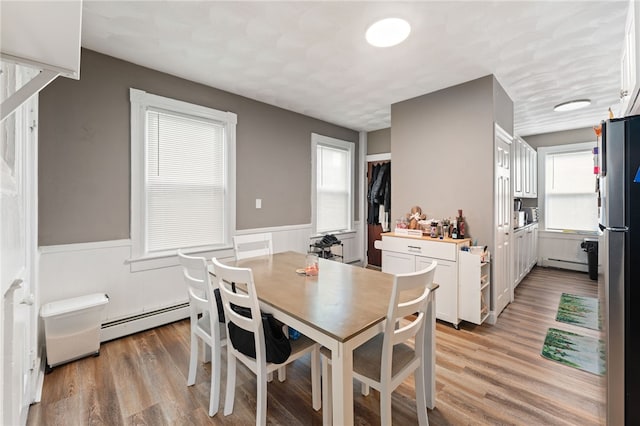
(519, 219)
(531, 214)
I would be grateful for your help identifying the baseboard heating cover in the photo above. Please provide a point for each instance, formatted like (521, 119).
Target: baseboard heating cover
(565, 264)
(136, 323)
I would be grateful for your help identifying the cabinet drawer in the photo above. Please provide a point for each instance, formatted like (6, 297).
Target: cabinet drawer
(418, 247)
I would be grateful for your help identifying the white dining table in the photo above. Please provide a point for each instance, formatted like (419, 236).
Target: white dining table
(340, 308)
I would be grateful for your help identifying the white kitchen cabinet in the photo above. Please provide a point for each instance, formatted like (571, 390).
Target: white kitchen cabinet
(446, 277)
(475, 288)
(629, 103)
(525, 170)
(402, 254)
(525, 251)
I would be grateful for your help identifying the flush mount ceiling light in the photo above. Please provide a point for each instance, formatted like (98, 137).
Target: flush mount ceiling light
(572, 105)
(388, 32)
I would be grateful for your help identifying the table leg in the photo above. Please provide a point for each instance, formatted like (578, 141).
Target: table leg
(430, 351)
(342, 378)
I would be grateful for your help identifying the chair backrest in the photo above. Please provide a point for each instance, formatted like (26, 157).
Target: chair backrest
(196, 276)
(228, 278)
(252, 245)
(415, 287)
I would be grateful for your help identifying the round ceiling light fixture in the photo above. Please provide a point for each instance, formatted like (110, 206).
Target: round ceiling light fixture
(572, 105)
(388, 32)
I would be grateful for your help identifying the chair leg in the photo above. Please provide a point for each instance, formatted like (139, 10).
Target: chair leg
(421, 397)
(261, 397)
(270, 377)
(193, 360)
(282, 373)
(327, 403)
(385, 406)
(214, 397)
(231, 382)
(315, 378)
(364, 389)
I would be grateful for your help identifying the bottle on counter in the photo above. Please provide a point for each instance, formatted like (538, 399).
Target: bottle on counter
(454, 229)
(461, 225)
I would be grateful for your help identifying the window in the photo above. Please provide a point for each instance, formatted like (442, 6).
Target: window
(182, 191)
(332, 184)
(570, 200)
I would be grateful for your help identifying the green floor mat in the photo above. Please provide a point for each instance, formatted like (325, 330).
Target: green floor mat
(582, 352)
(579, 310)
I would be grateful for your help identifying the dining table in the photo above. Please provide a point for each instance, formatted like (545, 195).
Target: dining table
(341, 307)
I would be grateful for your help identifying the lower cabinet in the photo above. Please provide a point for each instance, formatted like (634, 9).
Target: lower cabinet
(408, 254)
(525, 251)
(447, 294)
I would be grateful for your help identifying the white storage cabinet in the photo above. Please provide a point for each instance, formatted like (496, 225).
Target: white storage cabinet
(403, 254)
(72, 327)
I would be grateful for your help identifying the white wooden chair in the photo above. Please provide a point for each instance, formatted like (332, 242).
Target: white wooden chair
(386, 360)
(252, 245)
(206, 327)
(243, 277)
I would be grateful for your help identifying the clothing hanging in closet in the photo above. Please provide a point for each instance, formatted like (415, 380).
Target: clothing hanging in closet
(379, 195)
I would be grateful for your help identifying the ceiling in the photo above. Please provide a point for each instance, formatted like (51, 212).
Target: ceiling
(312, 58)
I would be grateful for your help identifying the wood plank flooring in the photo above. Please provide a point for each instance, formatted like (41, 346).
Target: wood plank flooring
(485, 375)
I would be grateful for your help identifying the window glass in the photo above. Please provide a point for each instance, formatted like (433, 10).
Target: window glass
(333, 184)
(570, 197)
(182, 190)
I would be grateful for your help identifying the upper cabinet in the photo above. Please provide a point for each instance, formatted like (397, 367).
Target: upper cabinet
(630, 104)
(44, 35)
(525, 170)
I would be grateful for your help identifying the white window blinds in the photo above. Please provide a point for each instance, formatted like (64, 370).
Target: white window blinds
(570, 198)
(184, 183)
(333, 189)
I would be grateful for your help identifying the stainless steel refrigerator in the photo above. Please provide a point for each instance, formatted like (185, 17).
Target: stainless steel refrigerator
(619, 153)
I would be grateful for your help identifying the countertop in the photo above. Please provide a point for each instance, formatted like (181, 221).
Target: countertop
(444, 240)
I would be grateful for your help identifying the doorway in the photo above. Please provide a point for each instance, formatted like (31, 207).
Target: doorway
(378, 204)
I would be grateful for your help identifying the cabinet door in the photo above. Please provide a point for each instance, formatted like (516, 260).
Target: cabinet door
(517, 167)
(447, 294)
(519, 258)
(628, 63)
(397, 263)
(527, 171)
(534, 173)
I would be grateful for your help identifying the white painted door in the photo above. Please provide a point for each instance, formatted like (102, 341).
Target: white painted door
(18, 245)
(502, 282)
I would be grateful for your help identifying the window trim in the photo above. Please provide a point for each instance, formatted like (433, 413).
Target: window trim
(542, 173)
(141, 101)
(317, 139)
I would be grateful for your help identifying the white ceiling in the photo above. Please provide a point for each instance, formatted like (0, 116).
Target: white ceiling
(312, 58)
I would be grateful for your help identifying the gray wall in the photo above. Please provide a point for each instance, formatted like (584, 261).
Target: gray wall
(442, 153)
(561, 138)
(379, 141)
(84, 152)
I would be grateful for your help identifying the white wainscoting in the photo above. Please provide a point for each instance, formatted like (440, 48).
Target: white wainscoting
(562, 250)
(148, 298)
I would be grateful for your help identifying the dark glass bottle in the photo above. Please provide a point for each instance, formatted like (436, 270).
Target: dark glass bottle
(461, 227)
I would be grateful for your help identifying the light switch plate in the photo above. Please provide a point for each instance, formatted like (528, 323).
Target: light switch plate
(258, 203)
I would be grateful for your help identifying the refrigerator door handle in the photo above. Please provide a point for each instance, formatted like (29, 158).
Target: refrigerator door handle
(613, 228)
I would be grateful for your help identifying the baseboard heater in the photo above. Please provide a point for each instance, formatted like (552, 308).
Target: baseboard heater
(565, 264)
(567, 261)
(136, 323)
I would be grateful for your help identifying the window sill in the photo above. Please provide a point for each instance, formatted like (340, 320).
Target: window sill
(167, 260)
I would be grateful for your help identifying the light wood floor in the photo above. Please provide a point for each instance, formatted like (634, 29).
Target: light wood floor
(484, 375)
